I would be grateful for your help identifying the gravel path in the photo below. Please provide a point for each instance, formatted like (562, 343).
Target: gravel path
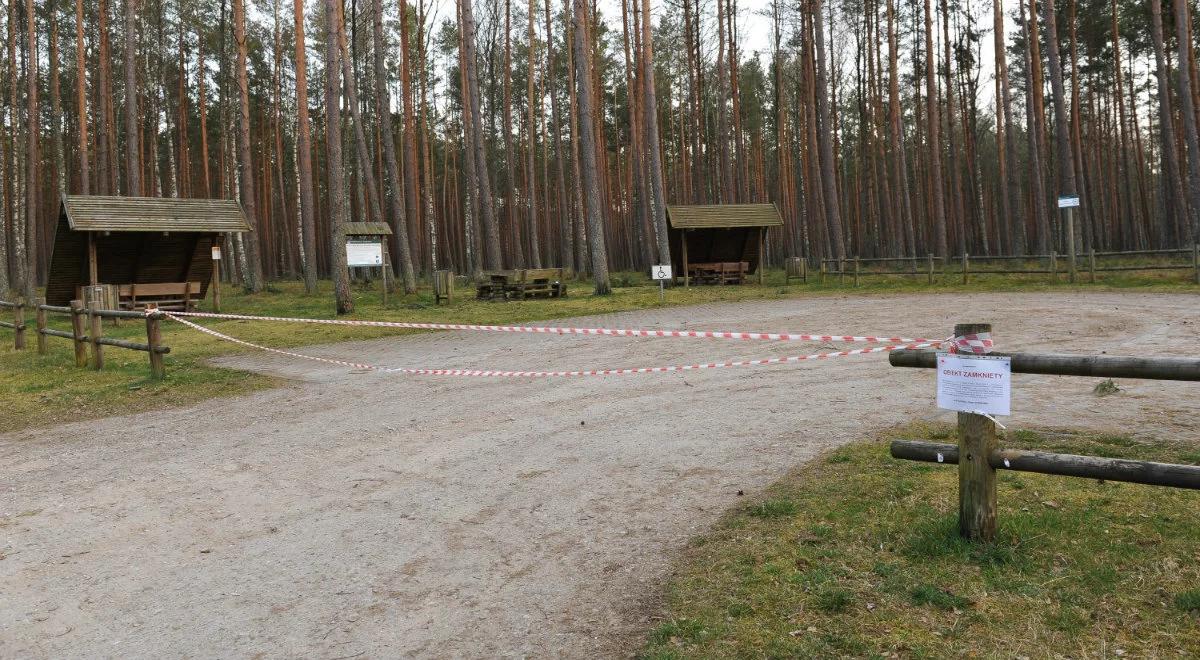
(370, 515)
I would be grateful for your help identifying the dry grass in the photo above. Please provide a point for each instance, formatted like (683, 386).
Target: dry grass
(857, 555)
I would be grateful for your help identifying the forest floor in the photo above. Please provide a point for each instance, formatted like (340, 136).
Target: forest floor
(348, 514)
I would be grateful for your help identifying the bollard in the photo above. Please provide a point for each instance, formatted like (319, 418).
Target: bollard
(154, 340)
(39, 316)
(19, 324)
(976, 477)
(78, 338)
(95, 331)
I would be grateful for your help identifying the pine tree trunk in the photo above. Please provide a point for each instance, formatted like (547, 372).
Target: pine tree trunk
(1174, 211)
(133, 166)
(531, 222)
(335, 184)
(32, 180)
(253, 263)
(935, 157)
(590, 181)
(304, 151)
(487, 211)
(1187, 109)
(653, 146)
(81, 98)
(401, 245)
(1065, 155)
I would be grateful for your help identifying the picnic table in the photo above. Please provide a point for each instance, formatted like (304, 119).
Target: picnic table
(520, 284)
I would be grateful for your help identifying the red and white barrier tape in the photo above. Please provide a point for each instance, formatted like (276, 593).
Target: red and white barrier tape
(546, 374)
(608, 332)
(979, 343)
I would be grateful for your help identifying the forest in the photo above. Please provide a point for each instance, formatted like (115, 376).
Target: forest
(527, 133)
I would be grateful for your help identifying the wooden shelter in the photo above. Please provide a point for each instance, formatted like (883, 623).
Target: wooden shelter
(162, 246)
(719, 243)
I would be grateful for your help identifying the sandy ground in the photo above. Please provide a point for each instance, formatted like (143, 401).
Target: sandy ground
(371, 515)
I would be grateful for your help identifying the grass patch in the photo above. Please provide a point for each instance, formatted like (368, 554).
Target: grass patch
(853, 565)
(40, 390)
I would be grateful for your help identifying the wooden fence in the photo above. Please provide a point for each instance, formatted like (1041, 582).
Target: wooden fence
(978, 454)
(1052, 264)
(87, 331)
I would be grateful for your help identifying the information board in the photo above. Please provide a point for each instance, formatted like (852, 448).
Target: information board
(364, 253)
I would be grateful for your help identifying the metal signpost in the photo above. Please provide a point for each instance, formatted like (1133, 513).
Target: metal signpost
(662, 273)
(1070, 203)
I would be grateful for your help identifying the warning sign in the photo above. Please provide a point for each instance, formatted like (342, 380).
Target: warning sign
(974, 383)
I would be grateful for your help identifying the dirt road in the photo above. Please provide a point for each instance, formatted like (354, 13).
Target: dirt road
(370, 515)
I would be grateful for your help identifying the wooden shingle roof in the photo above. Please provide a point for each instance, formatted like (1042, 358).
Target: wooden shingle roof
(366, 229)
(720, 216)
(153, 214)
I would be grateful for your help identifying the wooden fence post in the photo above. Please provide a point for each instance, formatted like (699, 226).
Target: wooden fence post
(95, 331)
(841, 262)
(154, 339)
(855, 271)
(966, 261)
(1092, 264)
(976, 478)
(931, 268)
(1053, 266)
(39, 316)
(77, 333)
(1196, 262)
(19, 324)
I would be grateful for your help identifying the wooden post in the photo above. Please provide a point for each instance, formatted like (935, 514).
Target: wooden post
(216, 274)
(966, 261)
(387, 267)
(77, 333)
(95, 331)
(1053, 266)
(1196, 262)
(39, 315)
(1071, 243)
(93, 266)
(804, 269)
(841, 262)
(686, 279)
(19, 324)
(154, 340)
(762, 253)
(931, 268)
(1092, 265)
(976, 478)
(856, 270)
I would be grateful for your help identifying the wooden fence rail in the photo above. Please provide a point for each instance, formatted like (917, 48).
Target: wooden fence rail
(970, 265)
(978, 454)
(87, 331)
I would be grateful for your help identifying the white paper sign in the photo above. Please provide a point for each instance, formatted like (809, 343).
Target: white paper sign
(216, 253)
(661, 272)
(363, 253)
(974, 383)
(1068, 202)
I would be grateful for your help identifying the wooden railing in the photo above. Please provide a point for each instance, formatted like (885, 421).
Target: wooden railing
(1052, 264)
(87, 331)
(978, 454)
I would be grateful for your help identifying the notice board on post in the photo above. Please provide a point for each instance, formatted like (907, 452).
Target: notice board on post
(364, 253)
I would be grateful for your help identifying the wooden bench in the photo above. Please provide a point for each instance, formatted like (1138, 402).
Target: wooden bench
(167, 295)
(719, 272)
(521, 284)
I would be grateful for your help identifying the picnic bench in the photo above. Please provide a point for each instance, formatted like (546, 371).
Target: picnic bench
(166, 295)
(520, 284)
(719, 272)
